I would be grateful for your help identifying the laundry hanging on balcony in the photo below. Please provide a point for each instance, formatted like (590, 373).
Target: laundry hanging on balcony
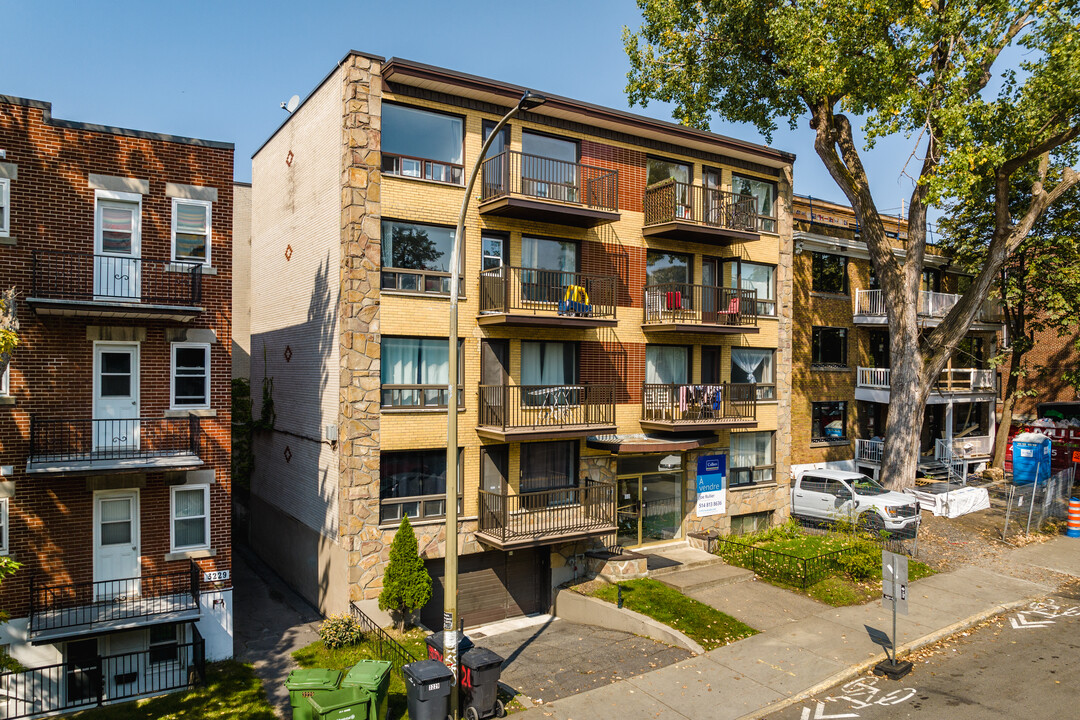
(700, 397)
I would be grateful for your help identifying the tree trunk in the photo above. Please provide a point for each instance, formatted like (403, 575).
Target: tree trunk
(1001, 440)
(907, 403)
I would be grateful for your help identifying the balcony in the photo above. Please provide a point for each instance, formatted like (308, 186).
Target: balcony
(973, 447)
(549, 298)
(538, 412)
(90, 446)
(66, 611)
(538, 518)
(969, 384)
(678, 211)
(869, 451)
(933, 307)
(682, 307)
(531, 187)
(103, 680)
(84, 285)
(687, 408)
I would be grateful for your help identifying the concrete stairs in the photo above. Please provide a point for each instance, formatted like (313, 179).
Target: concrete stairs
(688, 569)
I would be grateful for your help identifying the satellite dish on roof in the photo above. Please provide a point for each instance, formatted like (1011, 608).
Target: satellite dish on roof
(294, 101)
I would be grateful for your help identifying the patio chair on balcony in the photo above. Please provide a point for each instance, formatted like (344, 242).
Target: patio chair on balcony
(731, 315)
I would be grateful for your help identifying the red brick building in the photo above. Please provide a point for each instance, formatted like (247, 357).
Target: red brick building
(115, 415)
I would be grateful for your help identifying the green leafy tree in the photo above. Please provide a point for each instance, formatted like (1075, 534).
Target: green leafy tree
(927, 69)
(406, 583)
(1038, 286)
(7, 569)
(9, 328)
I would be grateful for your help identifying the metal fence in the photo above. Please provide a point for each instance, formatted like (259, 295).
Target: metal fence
(900, 546)
(386, 647)
(1031, 508)
(781, 566)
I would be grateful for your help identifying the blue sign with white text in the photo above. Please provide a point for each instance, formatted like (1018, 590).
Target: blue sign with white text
(711, 472)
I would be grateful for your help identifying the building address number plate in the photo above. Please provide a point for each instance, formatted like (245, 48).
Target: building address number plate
(216, 576)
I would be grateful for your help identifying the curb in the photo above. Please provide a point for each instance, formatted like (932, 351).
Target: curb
(865, 665)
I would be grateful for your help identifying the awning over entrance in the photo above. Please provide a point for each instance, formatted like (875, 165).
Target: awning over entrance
(618, 444)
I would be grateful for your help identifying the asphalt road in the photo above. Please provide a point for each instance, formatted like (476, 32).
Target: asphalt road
(1022, 665)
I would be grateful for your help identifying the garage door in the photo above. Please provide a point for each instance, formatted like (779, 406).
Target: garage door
(492, 586)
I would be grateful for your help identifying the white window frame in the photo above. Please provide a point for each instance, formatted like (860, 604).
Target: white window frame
(5, 381)
(172, 518)
(206, 205)
(136, 228)
(172, 375)
(4, 547)
(5, 202)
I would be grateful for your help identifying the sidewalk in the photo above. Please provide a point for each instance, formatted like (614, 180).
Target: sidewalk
(805, 652)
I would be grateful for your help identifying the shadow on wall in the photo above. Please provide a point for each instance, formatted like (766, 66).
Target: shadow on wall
(294, 505)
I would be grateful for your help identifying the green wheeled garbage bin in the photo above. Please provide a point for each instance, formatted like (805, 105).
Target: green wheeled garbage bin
(303, 684)
(428, 684)
(436, 645)
(372, 677)
(480, 671)
(350, 703)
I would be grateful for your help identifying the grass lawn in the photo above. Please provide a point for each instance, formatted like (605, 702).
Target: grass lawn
(709, 627)
(317, 655)
(231, 692)
(805, 546)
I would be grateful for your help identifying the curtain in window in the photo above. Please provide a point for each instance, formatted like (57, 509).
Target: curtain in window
(665, 365)
(750, 365)
(415, 361)
(545, 466)
(545, 363)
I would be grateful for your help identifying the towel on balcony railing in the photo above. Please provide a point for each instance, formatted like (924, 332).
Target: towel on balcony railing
(575, 302)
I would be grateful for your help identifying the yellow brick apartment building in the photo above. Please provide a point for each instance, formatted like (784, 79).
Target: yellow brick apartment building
(626, 316)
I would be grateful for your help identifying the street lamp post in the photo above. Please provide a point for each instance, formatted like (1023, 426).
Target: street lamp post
(450, 614)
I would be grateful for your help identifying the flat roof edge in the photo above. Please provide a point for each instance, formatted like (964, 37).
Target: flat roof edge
(46, 107)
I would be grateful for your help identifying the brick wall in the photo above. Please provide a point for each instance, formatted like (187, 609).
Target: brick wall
(52, 208)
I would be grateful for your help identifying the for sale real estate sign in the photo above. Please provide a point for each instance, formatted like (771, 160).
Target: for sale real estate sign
(711, 479)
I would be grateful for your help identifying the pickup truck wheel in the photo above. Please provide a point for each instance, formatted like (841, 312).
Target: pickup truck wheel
(871, 522)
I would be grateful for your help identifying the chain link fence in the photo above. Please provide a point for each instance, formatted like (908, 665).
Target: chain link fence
(1031, 508)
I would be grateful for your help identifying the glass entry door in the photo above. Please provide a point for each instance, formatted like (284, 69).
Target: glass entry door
(650, 504)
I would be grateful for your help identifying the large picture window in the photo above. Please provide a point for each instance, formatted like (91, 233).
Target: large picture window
(828, 422)
(751, 458)
(421, 144)
(548, 465)
(415, 372)
(415, 257)
(413, 483)
(551, 264)
(828, 348)
(547, 364)
(753, 276)
(764, 192)
(829, 273)
(662, 268)
(667, 365)
(753, 365)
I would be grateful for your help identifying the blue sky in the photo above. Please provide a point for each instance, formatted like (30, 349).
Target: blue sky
(219, 70)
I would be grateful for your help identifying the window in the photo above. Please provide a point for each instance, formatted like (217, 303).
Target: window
(413, 484)
(415, 372)
(751, 365)
(493, 251)
(190, 517)
(499, 144)
(549, 167)
(752, 276)
(931, 280)
(828, 422)
(4, 526)
(191, 230)
(117, 224)
(416, 258)
(190, 375)
(751, 522)
(751, 458)
(548, 465)
(5, 207)
(660, 170)
(829, 273)
(547, 364)
(551, 264)
(421, 144)
(764, 192)
(663, 268)
(546, 146)
(164, 644)
(667, 365)
(829, 347)
(5, 381)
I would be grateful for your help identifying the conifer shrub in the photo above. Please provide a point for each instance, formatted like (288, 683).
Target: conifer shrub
(406, 583)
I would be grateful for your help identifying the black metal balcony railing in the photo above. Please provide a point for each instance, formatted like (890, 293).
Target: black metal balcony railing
(508, 518)
(539, 407)
(108, 278)
(724, 402)
(66, 440)
(97, 604)
(516, 173)
(674, 201)
(569, 294)
(700, 305)
(34, 692)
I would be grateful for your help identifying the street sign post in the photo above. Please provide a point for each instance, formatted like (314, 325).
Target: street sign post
(894, 591)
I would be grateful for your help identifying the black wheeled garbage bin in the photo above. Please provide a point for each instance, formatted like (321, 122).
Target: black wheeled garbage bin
(436, 646)
(480, 671)
(427, 686)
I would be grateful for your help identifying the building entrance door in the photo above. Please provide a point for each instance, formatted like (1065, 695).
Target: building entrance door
(116, 251)
(650, 504)
(116, 544)
(116, 397)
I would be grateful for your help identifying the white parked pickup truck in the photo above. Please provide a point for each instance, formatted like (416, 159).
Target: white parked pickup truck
(822, 495)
